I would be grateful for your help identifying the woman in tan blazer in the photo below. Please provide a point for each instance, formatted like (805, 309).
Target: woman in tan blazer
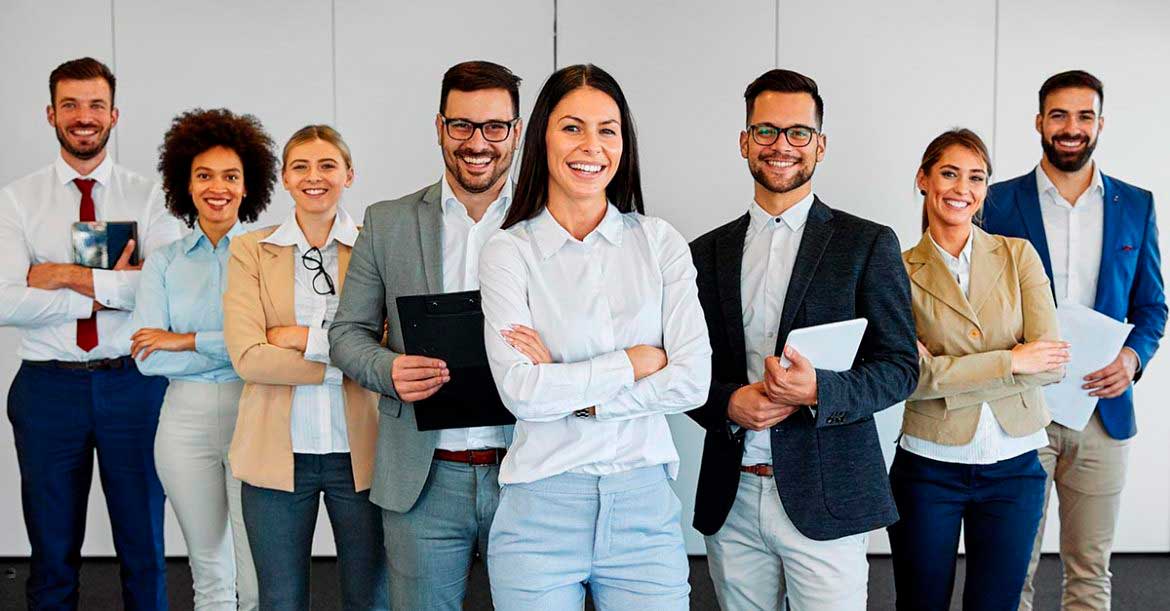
(988, 340)
(304, 430)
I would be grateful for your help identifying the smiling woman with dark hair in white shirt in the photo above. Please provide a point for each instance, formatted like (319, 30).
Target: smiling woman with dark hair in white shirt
(594, 334)
(304, 430)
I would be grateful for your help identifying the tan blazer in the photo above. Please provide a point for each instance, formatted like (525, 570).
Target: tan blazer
(1010, 303)
(260, 295)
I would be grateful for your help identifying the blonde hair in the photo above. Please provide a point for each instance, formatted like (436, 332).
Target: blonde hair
(310, 133)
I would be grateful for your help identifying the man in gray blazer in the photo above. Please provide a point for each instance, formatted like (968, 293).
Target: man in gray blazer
(438, 489)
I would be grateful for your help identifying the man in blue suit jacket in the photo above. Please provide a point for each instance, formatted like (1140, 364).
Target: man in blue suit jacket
(1098, 239)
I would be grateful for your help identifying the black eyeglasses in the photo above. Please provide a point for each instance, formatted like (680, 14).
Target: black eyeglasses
(493, 131)
(313, 260)
(767, 135)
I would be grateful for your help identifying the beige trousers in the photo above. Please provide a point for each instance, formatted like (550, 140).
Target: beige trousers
(1089, 469)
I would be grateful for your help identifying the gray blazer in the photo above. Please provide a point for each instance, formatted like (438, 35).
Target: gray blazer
(399, 251)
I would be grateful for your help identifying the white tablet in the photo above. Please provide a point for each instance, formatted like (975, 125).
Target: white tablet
(832, 346)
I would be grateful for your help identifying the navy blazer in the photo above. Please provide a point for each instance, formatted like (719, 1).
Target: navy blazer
(830, 473)
(1129, 284)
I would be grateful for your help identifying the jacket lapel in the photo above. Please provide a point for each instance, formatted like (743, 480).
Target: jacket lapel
(1113, 216)
(988, 260)
(729, 266)
(1028, 203)
(276, 268)
(930, 273)
(430, 230)
(817, 233)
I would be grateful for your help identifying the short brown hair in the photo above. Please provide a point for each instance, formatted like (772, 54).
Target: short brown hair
(477, 76)
(1072, 79)
(784, 81)
(310, 133)
(81, 69)
(959, 136)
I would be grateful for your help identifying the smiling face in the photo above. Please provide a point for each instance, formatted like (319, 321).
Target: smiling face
(955, 187)
(477, 165)
(217, 188)
(584, 141)
(1069, 126)
(781, 167)
(83, 116)
(315, 175)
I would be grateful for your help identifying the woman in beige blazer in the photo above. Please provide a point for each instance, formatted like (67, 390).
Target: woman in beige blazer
(304, 430)
(988, 340)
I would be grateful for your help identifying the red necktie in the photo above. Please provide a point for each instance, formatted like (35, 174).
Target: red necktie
(87, 336)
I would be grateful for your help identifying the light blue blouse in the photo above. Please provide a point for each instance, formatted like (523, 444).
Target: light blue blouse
(181, 290)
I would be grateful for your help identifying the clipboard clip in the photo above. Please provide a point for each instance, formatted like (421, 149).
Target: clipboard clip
(452, 307)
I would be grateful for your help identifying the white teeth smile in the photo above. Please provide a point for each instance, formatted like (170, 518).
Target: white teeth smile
(956, 203)
(781, 164)
(84, 132)
(316, 191)
(591, 168)
(217, 201)
(477, 160)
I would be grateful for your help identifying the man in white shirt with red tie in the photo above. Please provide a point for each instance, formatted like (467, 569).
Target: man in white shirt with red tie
(77, 389)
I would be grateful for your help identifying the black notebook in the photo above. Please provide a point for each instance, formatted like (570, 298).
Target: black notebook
(449, 326)
(98, 244)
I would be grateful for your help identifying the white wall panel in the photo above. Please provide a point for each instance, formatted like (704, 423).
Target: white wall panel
(35, 37)
(390, 63)
(893, 76)
(683, 68)
(1126, 46)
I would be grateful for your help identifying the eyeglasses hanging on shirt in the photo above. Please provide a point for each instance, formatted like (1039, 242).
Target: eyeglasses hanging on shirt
(313, 260)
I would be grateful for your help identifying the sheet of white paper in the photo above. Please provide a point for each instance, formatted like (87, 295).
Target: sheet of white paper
(831, 346)
(1096, 339)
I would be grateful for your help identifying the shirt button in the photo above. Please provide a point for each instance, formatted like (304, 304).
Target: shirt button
(974, 334)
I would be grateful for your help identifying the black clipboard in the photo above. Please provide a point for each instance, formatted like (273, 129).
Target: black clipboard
(449, 326)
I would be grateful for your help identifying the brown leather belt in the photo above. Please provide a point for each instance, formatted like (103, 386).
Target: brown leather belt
(119, 362)
(490, 456)
(760, 470)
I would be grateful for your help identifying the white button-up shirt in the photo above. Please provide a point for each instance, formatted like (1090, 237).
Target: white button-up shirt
(991, 443)
(629, 282)
(769, 254)
(37, 213)
(1075, 236)
(463, 239)
(318, 410)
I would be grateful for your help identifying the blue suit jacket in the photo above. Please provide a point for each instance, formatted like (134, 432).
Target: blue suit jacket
(1129, 284)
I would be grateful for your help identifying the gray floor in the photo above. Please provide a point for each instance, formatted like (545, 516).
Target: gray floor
(1140, 582)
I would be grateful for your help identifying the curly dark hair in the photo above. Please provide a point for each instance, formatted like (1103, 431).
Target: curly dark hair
(195, 131)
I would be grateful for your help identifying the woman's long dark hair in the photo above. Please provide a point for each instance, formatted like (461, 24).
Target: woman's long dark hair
(531, 196)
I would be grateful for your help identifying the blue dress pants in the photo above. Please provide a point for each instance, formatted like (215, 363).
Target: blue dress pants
(59, 418)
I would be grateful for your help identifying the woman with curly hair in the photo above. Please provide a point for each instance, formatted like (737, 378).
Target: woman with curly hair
(218, 169)
(304, 429)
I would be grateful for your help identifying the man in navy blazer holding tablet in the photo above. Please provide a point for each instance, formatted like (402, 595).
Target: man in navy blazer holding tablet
(793, 477)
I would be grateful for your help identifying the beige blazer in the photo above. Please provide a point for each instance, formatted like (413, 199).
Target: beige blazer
(260, 295)
(971, 340)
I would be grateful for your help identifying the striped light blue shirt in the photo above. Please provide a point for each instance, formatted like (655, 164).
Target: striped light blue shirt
(181, 290)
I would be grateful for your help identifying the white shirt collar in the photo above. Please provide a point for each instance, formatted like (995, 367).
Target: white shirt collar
(289, 233)
(550, 236)
(196, 236)
(449, 200)
(1044, 184)
(964, 255)
(793, 217)
(66, 173)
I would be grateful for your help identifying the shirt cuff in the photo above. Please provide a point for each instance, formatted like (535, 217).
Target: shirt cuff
(333, 376)
(106, 288)
(209, 343)
(610, 373)
(317, 345)
(80, 306)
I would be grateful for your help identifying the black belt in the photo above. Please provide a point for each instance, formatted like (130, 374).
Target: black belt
(119, 362)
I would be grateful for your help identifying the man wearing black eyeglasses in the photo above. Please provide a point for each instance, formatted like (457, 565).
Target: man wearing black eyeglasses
(438, 489)
(792, 477)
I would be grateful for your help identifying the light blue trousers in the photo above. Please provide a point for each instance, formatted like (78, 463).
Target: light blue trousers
(620, 534)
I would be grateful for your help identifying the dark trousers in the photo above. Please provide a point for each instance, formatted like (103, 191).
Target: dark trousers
(280, 529)
(59, 417)
(998, 505)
